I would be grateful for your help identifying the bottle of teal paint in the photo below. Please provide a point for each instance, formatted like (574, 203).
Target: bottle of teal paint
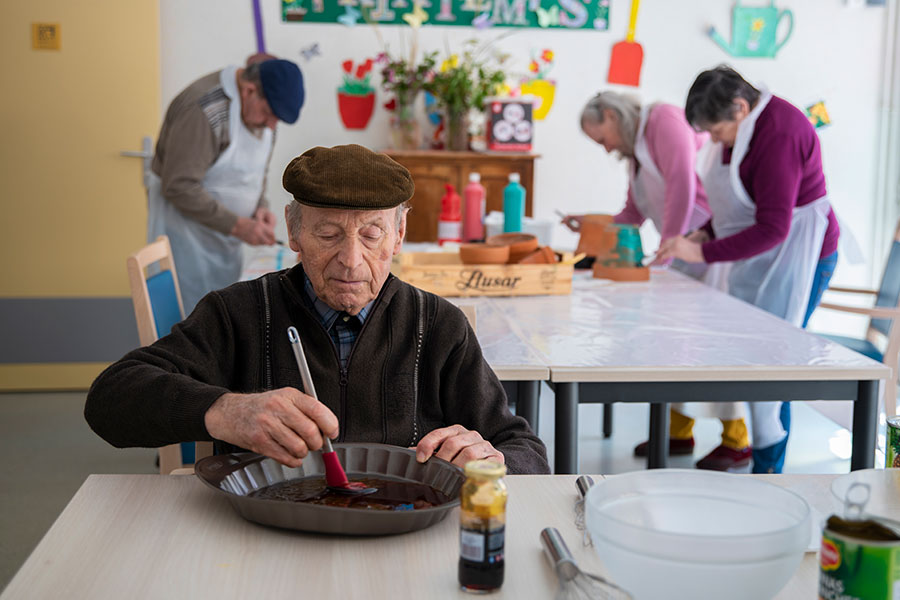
(513, 204)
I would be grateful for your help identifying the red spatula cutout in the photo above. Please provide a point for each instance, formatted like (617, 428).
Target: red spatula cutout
(627, 55)
(335, 478)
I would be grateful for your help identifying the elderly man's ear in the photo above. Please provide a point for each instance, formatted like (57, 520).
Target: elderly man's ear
(292, 242)
(401, 233)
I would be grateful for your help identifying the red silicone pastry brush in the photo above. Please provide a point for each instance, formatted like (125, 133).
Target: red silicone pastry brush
(335, 478)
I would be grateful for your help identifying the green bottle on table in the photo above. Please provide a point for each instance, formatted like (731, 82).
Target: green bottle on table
(513, 205)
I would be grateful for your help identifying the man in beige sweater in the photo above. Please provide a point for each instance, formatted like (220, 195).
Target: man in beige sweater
(206, 192)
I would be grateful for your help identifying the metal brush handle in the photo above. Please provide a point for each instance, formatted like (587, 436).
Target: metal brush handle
(305, 375)
(558, 553)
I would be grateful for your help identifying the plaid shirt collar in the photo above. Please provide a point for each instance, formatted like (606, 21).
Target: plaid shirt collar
(328, 315)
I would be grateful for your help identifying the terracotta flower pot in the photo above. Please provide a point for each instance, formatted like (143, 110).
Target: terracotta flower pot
(483, 254)
(356, 110)
(520, 244)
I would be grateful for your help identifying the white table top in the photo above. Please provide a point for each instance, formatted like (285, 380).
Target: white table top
(155, 536)
(671, 328)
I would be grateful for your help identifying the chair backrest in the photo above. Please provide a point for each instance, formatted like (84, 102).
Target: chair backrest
(889, 290)
(157, 298)
(157, 308)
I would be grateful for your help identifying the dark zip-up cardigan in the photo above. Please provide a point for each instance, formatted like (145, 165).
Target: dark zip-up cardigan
(416, 366)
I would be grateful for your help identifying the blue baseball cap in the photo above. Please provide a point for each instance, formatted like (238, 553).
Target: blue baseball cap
(282, 85)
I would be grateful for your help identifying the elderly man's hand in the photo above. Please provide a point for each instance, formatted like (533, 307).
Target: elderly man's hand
(457, 445)
(254, 232)
(284, 424)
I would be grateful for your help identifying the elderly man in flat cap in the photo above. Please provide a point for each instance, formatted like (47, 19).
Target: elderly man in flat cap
(206, 191)
(391, 363)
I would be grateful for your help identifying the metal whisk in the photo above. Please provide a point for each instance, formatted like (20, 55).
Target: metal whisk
(583, 484)
(573, 582)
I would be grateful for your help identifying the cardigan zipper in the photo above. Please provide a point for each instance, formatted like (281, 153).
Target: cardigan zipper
(268, 332)
(420, 332)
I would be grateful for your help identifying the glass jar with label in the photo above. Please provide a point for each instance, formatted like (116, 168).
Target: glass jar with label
(482, 526)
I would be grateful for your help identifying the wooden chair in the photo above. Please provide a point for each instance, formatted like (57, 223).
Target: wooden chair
(882, 341)
(157, 308)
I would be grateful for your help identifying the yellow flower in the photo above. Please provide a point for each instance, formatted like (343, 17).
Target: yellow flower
(757, 24)
(502, 89)
(450, 63)
(547, 55)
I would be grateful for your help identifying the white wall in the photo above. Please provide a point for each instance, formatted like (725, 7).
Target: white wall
(835, 53)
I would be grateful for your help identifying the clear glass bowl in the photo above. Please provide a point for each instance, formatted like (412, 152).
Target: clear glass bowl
(674, 533)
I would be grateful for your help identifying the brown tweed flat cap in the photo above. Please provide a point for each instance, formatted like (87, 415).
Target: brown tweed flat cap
(351, 177)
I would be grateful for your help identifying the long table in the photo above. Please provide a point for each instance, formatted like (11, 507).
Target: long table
(672, 339)
(158, 536)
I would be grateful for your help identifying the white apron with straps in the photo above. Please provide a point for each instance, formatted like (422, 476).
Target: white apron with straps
(648, 189)
(205, 259)
(780, 279)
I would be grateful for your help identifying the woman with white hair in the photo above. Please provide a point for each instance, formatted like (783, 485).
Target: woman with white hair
(661, 149)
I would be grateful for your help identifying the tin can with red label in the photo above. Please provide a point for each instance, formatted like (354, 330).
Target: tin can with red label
(858, 560)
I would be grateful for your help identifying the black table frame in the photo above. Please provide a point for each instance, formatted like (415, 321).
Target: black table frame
(864, 394)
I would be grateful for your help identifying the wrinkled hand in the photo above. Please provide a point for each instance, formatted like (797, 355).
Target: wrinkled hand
(284, 424)
(678, 247)
(573, 222)
(254, 232)
(457, 445)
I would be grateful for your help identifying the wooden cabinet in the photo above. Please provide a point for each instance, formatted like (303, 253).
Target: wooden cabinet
(431, 169)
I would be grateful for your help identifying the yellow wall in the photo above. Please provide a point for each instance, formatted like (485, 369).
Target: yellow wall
(73, 209)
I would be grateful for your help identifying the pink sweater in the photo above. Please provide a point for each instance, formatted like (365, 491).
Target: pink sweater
(673, 146)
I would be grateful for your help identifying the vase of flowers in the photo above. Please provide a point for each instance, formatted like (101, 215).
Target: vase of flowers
(356, 98)
(462, 83)
(405, 79)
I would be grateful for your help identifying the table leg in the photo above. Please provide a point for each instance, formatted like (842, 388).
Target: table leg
(658, 452)
(607, 419)
(865, 417)
(528, 402)
(566, 430)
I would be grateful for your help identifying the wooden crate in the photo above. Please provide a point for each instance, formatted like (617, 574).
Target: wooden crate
(442, 273)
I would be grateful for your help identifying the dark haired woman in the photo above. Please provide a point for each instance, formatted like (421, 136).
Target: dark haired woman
(771, 218)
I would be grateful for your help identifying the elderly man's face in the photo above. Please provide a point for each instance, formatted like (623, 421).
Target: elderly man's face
(347, 253)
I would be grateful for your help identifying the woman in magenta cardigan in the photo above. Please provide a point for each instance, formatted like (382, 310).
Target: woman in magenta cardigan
(771, 218)
(661, 149)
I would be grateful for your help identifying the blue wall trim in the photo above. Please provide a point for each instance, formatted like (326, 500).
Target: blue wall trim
(49, 330)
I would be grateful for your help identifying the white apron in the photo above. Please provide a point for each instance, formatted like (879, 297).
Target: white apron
(779, 280)
(205, 259)
(648, 189)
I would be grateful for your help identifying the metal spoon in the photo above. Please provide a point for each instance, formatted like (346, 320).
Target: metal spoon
(335, 477)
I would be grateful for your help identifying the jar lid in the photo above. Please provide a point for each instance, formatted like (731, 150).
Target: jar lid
(485, 468)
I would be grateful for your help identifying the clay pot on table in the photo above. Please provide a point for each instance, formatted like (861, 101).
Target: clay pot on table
(520, 244)
(483, 254)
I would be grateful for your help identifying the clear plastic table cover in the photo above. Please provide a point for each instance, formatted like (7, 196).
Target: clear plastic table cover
(669, 322)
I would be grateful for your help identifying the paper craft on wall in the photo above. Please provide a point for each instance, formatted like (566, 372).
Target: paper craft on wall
(627, 55)
(310, 52)
(818, 114)
(356, 98)
(538, 85)
(557, 14)
(754, 31)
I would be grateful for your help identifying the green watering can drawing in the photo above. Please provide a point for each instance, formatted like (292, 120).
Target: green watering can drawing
(753, 30)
